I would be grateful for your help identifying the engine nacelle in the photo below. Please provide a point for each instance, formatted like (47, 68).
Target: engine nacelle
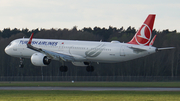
(39, 59)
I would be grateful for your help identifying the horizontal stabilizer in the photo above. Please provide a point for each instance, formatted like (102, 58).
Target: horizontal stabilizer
(166, 48)
(137, 50)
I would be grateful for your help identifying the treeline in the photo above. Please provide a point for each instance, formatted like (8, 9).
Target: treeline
(164, 63)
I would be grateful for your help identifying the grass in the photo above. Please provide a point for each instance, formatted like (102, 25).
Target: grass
(59, 95)
(90, 84)
(54, 95)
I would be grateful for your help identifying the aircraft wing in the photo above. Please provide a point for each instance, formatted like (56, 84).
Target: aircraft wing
(50, 54)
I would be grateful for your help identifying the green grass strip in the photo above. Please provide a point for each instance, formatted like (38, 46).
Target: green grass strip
(54, 95)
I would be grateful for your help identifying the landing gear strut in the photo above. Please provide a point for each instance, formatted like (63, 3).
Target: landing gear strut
(63, 68)
(89, 68)
(21, 65)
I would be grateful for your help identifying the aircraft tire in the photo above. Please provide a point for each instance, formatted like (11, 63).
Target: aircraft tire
(89, 68)
(21, 65)
(65, 68)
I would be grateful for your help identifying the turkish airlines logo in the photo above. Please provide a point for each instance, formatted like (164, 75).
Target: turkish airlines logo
(96, 51)
(144, 35)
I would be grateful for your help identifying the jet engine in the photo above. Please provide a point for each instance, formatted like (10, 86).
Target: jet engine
(39, 59)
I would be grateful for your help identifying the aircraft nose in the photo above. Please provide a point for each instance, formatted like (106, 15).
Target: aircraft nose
(6, 50)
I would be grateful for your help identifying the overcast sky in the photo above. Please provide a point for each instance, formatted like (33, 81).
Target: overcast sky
(49, 14)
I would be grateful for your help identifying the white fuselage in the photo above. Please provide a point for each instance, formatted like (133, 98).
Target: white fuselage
(82, 51)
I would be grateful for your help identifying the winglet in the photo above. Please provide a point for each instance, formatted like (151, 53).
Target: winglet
(152, 41)
(30, 46)
(30, 39)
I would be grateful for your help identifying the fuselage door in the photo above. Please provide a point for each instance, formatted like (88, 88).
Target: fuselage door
(122, 51)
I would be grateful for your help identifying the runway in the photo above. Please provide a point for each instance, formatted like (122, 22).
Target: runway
(92, 88)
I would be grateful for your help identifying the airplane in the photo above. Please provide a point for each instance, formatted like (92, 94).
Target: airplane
(84, 53)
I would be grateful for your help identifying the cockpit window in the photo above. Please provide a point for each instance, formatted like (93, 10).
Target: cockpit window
(10, 44)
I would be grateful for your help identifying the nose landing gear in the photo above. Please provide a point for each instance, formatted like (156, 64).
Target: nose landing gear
(21, 65)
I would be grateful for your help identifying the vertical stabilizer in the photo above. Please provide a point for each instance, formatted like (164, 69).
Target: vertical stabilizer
(152, 41)
(143, 36)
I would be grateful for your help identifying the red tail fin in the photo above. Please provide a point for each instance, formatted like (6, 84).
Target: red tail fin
(152, 41)
(143, 36)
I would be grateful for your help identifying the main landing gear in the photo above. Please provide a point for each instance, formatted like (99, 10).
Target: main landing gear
(89, 68)
(21, 65)
(63, 68)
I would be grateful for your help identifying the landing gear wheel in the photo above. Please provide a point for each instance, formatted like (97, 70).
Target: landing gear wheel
(63, 68)
(89, 68)
(21, 65)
